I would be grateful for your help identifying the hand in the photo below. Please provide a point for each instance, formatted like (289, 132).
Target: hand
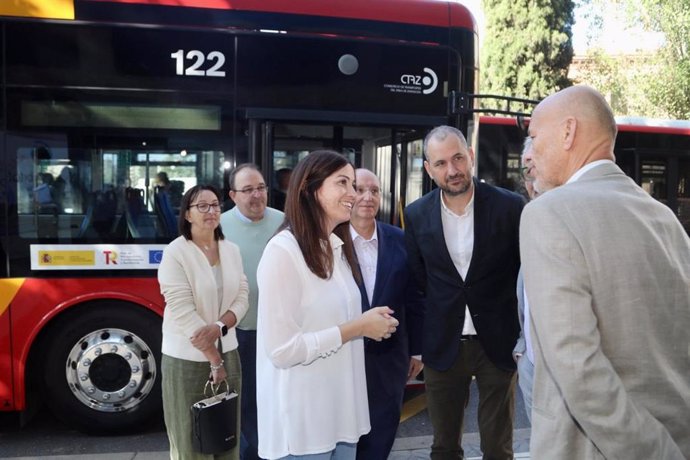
(205, 337)
(218, 375)
(377, 323)
(416, 367)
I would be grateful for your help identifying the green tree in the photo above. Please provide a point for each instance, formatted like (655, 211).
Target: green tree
(622, 79)
(527, 47)
(644, 83)
(603, 72)
(669, 83)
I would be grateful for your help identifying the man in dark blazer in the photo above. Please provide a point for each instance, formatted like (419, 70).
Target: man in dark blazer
(385, 281)
(463, 249)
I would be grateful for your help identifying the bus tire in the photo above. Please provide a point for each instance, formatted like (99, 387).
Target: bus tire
(102, 368)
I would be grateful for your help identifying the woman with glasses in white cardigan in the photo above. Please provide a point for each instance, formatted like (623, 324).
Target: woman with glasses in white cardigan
(205, 292)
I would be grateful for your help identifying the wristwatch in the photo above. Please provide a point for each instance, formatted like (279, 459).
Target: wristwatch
(223, 328)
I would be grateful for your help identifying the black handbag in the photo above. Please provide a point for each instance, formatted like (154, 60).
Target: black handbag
(214, 421)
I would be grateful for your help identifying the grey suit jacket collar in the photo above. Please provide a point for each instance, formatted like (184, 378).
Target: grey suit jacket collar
(601, 170)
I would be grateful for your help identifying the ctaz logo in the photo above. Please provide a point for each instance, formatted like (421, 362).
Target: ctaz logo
(428, 82)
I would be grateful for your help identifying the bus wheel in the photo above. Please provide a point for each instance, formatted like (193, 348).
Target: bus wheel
(102, 368)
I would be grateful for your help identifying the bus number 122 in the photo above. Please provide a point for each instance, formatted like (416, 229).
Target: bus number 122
(198, 59)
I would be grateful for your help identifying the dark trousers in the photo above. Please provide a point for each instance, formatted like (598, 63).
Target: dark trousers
(249, 441)
(448, 393)
(385, 387)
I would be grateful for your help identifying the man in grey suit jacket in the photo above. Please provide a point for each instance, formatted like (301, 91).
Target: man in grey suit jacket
(523, 353)
(607, 274)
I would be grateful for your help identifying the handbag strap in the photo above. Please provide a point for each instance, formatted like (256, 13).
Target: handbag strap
(215, 388)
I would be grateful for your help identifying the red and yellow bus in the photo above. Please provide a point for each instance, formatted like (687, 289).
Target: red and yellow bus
(655, 153)
(99, 96)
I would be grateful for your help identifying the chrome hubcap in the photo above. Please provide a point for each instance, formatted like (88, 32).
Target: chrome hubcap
(111, 370)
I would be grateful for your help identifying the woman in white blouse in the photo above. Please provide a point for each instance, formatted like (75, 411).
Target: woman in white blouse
(311, 387)
(206, 293)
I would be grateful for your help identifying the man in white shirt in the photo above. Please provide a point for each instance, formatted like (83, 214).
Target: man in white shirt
(462, 244)
(386, 281)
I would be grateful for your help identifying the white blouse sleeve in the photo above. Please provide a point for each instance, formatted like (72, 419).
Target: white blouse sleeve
(280, 312)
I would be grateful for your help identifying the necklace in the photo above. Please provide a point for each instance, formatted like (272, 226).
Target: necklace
(205, 247)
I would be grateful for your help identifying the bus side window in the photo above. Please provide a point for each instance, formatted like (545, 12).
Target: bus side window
(176, 192)
(139, 223)
(166, 216)
(101, 214)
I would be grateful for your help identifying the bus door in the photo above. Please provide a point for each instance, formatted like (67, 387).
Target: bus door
(400, 167)
(667, 178)
(664, 175)
(394, 154)
(683, 191)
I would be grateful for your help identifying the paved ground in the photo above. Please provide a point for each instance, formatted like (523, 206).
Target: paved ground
(45, 438)
(413, 448)
(417, 448)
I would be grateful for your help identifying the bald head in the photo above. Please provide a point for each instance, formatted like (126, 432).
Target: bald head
(367, 202)
(585, 104)
(570, 129)
(365, 175)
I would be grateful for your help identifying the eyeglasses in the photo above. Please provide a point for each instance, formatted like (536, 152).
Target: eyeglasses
(205, 207)
(525, 173)
(251, 190)
(375, 191)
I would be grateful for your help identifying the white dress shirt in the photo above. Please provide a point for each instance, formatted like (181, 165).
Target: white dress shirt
(458, 231)
(368, 256)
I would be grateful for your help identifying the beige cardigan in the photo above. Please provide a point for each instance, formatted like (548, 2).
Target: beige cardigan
(191, 296)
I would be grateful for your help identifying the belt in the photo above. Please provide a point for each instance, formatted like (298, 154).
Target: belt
(464, 338)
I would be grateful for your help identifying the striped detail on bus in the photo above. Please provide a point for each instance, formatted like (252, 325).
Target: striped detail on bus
(47, 9)
(8, 289)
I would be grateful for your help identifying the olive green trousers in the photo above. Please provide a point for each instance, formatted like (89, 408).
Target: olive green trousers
(183, 385)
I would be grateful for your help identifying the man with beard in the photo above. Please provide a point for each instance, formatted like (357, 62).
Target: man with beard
(250, 224)
(463, 250)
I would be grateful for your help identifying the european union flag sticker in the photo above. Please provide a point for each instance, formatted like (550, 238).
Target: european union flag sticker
(155, 256)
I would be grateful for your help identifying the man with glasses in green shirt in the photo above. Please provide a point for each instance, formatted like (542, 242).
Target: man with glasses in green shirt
(250, 224)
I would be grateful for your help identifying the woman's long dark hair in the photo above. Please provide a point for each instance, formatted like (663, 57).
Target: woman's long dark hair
(183, 225)
(306, 218)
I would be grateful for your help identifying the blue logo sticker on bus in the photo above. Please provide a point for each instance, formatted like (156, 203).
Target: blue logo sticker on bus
(155, 256)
